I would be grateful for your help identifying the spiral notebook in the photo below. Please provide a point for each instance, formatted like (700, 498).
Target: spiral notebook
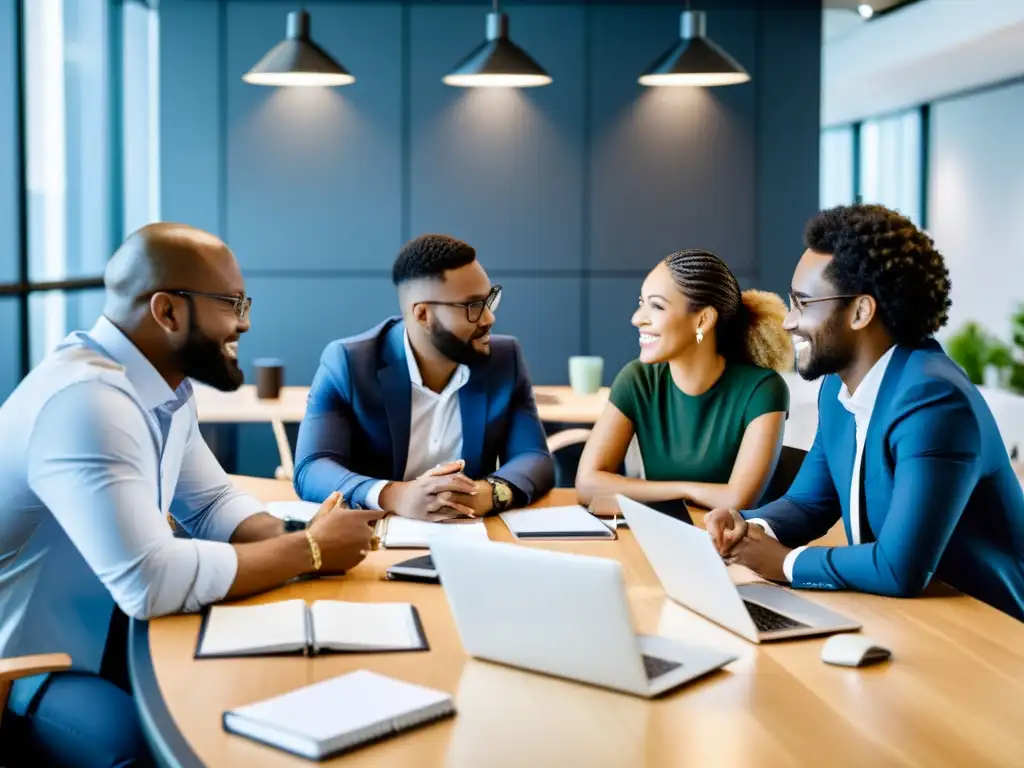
(292, 626)
(324, 719)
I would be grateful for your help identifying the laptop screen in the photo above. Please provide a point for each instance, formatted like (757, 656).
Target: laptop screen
(675, 508)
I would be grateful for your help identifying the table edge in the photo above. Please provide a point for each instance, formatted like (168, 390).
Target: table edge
(169, 745)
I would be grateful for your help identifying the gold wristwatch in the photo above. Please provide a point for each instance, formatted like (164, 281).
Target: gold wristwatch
(501, 494)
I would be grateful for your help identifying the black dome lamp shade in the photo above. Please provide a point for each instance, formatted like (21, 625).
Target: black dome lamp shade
(297, 60)
(497, 62)
(695, 60)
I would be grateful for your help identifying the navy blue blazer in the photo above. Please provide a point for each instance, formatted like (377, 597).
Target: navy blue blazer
(356, 428)
(940, 496)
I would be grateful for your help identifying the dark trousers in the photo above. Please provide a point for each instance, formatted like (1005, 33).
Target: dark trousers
(81, 720)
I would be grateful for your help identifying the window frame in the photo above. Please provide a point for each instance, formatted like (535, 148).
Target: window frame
(23, 287)
(924, 110)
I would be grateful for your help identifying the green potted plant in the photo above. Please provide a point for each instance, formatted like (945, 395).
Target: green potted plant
(970, 349)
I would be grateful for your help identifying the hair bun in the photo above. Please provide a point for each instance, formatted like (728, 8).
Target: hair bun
(767, 342)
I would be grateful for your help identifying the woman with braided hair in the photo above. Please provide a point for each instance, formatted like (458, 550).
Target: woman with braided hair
(704, 399)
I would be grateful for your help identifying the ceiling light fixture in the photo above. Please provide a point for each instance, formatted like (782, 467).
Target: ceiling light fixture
(497, 62)
(865, 11)
(298, 61)
(695, 60)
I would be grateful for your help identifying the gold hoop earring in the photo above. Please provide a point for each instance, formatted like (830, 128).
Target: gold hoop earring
(700, 335)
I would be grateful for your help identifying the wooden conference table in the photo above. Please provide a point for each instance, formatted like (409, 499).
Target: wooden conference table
(951, 695)
(554, 404)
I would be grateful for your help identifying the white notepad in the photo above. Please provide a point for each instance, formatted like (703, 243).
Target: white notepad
(326, 718)
(293, 510)
(290, 626)
(561, 523)
(406, 533)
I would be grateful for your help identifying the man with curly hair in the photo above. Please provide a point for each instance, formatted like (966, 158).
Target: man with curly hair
(414, 415)
(907, 452)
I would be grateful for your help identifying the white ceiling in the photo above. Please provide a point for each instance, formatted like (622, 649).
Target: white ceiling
(915, 54)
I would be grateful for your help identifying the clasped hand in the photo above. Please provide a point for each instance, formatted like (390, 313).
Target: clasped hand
(740, 543)
(438, 494)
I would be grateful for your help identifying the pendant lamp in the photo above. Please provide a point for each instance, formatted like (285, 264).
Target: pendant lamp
(497, 62)
(298, 61)
(695, 60)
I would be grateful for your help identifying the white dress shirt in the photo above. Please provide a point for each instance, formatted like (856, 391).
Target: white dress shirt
(861, 403)
(97, 450)
(435, 428)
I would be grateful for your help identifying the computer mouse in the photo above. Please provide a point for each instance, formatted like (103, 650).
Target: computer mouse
(853, 650)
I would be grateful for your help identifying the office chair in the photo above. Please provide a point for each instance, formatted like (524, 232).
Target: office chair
(17, 667)
(785, 473)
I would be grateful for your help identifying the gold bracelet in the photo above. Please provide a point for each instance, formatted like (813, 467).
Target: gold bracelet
(314, 550)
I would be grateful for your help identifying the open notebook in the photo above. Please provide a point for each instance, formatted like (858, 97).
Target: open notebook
(323, 719)
(405, 533)
(292, 627)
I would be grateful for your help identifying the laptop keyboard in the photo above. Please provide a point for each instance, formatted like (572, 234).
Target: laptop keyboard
(767, 620)
(655, 667)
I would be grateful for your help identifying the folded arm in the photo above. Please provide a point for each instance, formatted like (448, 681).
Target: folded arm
(526, 462)
(936, 445)
(93, 463)
(324, 447)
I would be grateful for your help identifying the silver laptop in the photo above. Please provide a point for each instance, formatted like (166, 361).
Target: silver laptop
(560, 614)
(694, 574)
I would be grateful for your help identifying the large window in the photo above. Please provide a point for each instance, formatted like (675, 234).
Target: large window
(88, 106)
(837, 182)
(890, 163)
(881, 160)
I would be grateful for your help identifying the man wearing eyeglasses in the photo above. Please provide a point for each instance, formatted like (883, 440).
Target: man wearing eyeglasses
(907, 453)
(100, 445)
(415, 415)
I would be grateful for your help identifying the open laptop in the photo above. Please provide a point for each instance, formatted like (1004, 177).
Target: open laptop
(694, 574)
(561, 614)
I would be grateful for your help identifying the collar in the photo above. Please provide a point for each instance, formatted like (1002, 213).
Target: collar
(862, 401)
(151, 387)
(457, 381)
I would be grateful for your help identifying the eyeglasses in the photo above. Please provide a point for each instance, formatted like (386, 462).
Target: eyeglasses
(474, 309)
(797, 303)
(240, 304)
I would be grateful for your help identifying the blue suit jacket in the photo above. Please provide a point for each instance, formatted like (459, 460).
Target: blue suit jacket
(940, 496)
(356, 428)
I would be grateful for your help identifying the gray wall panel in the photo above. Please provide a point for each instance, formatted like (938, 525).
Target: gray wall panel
(314, 174)
(788, 76)
(295, 317)
(191, 89)
(544, 314)
(502, 169)
(672, 168)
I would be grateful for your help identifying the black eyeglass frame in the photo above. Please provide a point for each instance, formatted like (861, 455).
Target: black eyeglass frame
(242, 304)
(797, 303)
(492, 301)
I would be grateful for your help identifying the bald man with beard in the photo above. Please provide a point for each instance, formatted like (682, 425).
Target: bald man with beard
(100, 443)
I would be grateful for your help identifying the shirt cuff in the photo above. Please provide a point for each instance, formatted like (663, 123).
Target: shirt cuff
(218, 566)
(789, 562)
(372, 500)
(229, 514)
(763, 524)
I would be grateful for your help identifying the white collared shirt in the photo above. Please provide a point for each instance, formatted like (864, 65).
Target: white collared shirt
(97, 450)
(861, 404)
(435, 427)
